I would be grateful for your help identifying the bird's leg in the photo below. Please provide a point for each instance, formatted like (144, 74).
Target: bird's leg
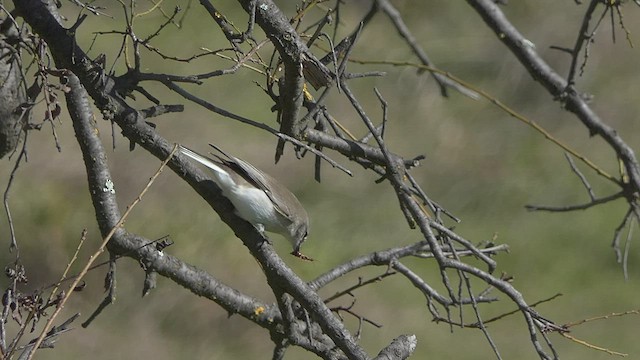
(262, 232)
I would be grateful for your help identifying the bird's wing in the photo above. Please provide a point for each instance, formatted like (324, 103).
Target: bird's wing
(274, 190)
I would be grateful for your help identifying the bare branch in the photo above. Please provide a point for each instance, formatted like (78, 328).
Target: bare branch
(400, 348)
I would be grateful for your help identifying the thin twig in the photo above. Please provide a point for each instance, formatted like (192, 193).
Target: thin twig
(585, 206)
(12, 231)
(83, 237)
(358, 285)
(593, 347)
(98, 265)
(501, 316)
(615, 244)
(581, 176)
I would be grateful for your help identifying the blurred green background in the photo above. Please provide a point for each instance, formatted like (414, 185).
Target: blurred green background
(481, 165)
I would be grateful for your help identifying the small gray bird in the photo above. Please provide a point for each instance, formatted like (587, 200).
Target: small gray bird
(257, 197)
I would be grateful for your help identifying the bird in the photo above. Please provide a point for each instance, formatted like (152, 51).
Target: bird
(257, 197)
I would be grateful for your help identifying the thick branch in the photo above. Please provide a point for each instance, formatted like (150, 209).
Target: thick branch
(400, 348)
(12, 93)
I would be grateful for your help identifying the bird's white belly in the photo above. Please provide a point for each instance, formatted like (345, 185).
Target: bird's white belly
(254, 206)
